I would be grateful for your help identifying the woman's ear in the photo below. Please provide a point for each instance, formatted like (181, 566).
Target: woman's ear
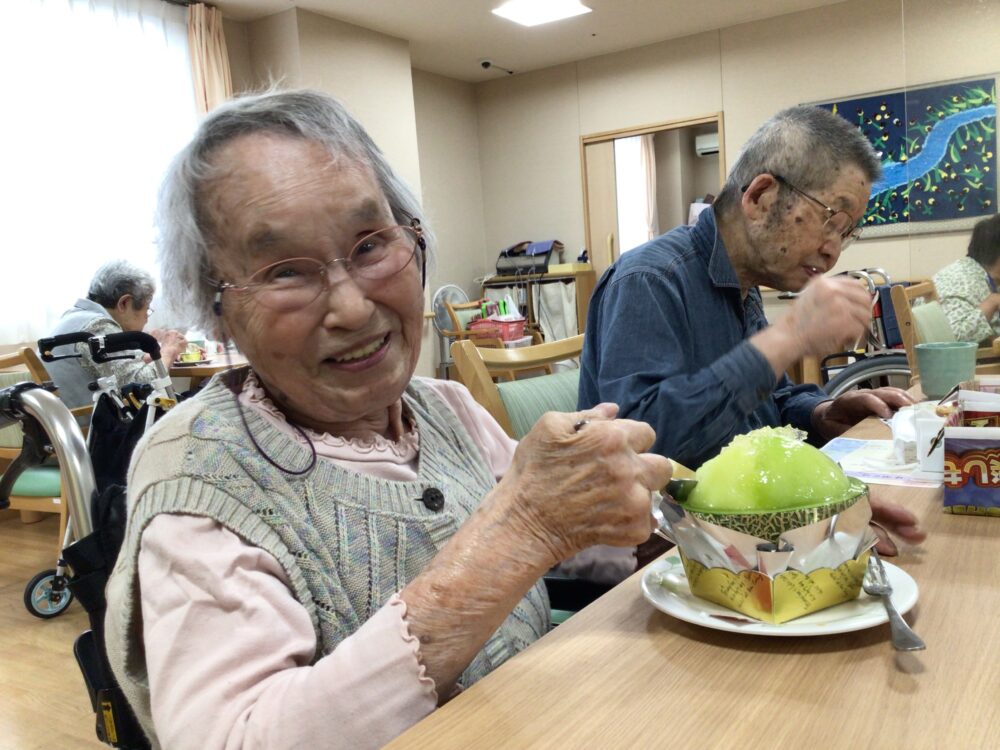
(125, 304)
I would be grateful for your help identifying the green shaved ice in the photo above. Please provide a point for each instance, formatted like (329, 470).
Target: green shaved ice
(767, 470)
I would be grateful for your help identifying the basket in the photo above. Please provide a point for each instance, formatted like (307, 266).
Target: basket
(505, 330)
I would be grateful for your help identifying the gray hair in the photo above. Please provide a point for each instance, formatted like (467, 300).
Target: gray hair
(807, 146)
(312, 115)
(117, 278)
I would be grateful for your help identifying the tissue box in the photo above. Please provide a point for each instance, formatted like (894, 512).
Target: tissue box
(972, 470)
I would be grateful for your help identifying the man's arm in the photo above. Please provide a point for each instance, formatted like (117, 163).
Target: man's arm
(639, 352)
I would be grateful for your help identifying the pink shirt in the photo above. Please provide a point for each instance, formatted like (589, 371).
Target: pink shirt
(245, 681)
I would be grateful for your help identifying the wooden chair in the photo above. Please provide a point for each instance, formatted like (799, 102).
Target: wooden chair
(920, 318)
(39, 489)
(518, 404)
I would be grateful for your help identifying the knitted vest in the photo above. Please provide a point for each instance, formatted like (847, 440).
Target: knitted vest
(347, 541)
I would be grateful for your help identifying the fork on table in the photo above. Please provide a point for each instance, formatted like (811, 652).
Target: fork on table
(876, 583)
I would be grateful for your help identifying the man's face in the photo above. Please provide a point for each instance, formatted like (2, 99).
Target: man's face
(789, 244)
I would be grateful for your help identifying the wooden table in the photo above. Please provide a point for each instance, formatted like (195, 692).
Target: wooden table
(199, 372)
(621, 674)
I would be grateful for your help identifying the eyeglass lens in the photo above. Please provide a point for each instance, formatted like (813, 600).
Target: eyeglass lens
(295, 282)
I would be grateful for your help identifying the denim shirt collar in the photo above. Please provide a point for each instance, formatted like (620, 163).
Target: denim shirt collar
(709, 241)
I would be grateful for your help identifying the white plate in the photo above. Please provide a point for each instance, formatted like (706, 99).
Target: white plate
(676, 599)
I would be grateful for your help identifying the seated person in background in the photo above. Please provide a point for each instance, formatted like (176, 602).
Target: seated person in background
(118, 301)
(968, 287)
(321, 547)
(676, 333)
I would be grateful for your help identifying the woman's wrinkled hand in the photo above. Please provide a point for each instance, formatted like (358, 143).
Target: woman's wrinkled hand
(573, 485)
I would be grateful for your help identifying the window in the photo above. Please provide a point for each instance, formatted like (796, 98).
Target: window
(99, 98)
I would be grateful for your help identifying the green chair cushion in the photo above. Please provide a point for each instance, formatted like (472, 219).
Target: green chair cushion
(931, 323)
(526, 400)
(40, 481)
(465, 315)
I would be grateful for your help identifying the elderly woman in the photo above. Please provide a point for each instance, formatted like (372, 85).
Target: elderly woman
(118, 300)
(968, 287)
(321, 547)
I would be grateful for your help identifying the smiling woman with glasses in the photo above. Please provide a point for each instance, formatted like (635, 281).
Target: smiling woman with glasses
(323, 547)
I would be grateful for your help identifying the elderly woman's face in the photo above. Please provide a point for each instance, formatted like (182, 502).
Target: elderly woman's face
(338, 363)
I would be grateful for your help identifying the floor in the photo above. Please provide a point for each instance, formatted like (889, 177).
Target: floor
(43, 701)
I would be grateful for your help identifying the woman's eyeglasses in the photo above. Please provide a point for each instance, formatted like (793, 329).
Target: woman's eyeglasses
(838, 223)
(294, 283)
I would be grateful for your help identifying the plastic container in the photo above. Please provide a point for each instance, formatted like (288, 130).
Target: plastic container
(506, 330)
(518, 343)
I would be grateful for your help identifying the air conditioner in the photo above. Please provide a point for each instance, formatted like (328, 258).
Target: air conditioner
(705, 145)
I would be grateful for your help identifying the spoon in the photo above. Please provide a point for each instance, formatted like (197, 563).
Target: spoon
(680, 489)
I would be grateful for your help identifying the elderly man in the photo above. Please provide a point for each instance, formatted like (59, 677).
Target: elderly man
(118, 301)
(676, 333)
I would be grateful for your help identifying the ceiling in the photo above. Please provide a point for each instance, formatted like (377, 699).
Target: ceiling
(450, 37)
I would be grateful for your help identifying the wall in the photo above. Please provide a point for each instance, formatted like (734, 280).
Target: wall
(238, 47)
(333, 52)
(273, 49)
(669, 180)
(530, 124)
(448, 141)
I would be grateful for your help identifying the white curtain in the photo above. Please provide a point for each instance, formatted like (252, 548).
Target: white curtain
(99, 97)
(647, 162)
(635, 191)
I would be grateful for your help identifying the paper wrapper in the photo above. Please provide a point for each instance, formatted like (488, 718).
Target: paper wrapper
(814, 567)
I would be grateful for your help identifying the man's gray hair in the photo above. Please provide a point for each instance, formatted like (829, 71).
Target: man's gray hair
(183, 241)
(117, 278)
(806, 145)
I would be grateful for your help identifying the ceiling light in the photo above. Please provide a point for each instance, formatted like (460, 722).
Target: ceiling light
(535, 12)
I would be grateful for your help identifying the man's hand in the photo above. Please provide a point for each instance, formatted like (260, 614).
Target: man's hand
(897, 519)
(833, 418)
(831, 314)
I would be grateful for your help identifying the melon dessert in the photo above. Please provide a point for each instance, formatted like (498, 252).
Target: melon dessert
(769, 481)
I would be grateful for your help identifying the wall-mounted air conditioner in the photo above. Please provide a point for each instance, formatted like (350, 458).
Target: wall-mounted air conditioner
(706, 145)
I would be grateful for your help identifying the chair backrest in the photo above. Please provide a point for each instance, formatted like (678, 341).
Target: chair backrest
(462, 313)
(21, 365)
(517, 405)
(922, 319)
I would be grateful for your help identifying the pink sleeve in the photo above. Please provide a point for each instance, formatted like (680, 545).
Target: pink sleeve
(228, 649)
(497, 446)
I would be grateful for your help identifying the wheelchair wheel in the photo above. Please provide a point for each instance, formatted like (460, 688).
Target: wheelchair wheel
(46, 596)
(873, 372)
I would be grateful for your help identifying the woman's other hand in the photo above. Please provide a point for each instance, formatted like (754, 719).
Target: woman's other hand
(579, 479)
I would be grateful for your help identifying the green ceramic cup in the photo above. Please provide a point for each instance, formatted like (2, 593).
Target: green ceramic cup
(944, 365)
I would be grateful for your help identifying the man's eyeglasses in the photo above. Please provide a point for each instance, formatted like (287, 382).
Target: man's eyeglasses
(839, 223)
(294, 283)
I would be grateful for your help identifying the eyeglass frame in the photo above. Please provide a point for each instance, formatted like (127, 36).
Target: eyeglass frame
(220, 286)
(848, 236)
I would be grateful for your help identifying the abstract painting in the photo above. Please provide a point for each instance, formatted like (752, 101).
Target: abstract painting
(938, 146)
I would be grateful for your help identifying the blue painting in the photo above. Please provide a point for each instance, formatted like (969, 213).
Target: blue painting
(938, 146)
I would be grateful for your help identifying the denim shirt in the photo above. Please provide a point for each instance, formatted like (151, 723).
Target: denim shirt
(667, 341)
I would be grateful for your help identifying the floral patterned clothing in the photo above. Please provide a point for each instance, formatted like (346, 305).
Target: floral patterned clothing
(962, 287)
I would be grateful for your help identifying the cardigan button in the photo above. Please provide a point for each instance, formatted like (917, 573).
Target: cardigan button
(433, 498)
